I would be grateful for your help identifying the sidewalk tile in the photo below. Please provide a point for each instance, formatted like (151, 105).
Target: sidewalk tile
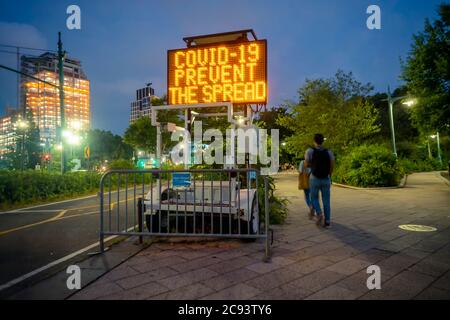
(405, 285)
(284, 292)
(333, 292)
(223, 281)
(190, 292)
(95, 291)
(310, 265)
(140, 279)
(318, 280)
(187, 278)
(348, 266)
(239, 291)
(152, 265)
(196, 264)
(433, 293)
(274, 279)
(139, 293)
(233, 264)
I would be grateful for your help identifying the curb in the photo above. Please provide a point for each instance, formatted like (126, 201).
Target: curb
(53, 286)
(445, 180)
(401, 185)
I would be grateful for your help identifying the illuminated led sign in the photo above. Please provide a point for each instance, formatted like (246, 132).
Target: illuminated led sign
(231, 72)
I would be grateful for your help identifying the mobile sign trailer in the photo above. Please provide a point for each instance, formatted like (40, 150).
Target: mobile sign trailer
(204, 201)
(221, 75)
(205, 206)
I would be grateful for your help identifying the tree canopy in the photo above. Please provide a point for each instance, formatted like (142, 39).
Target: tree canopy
(141, 134)
(427, 73)
(105, 145)
(336, 107)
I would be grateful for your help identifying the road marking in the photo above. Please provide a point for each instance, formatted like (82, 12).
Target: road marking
(31, 211)
(106, 205)
(56, 262)
(78, 215)
(63, 201)
(59, 215)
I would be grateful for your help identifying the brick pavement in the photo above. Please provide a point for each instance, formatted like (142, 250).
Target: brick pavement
(307, 262)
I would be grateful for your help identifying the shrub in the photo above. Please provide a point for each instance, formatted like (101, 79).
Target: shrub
(278, 210)
(369, 166)
(18, 187)
(121, 164)
(410, 165)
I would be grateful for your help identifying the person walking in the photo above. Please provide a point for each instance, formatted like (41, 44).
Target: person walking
(321, 162)
(303, 184)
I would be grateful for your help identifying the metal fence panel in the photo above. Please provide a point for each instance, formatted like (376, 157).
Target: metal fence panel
(221, 203)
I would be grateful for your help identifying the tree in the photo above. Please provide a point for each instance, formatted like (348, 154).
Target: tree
(141, 134)
(105, 145)
(27, 150)
(336, 107)
(427, 73)
(269, 120)
(404, 127)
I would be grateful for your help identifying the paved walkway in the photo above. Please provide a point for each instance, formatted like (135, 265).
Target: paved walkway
(308, 262)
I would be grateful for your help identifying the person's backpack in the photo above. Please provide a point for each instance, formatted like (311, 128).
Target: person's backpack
(320, 163)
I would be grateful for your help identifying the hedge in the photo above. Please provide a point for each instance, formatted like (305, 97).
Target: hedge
(369, 166)
(22, 187)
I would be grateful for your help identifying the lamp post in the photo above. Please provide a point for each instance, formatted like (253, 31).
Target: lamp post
(391, 100)
(61, 55)
(22, 125)
(436, 136)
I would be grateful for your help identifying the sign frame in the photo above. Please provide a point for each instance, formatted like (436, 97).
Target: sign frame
(224, 43)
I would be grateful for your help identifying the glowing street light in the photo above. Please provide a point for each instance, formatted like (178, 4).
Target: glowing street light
(391, 100)
(436, 136)
(71, 137)
(22, 124)
(409, 102)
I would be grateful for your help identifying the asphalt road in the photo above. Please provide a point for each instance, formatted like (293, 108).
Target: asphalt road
(33, 237)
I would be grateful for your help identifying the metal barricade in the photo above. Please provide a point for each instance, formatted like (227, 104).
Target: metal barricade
(223, 203)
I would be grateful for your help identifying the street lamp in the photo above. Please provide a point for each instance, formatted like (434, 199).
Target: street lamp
(409, 102)
(391, 100)
(71, 137)
(436, 136)
(22, 125)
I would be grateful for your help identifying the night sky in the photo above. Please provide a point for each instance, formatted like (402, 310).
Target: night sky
(122, 44)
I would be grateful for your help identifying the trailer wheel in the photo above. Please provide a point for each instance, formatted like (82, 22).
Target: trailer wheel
(152, 222)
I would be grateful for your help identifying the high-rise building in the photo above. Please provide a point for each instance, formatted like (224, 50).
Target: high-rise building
(7, 132)
(141, 107)
(42, 100)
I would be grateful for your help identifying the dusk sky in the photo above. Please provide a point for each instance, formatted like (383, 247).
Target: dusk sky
(122, 44)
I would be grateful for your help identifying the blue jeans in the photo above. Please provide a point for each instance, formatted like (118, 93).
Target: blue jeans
(307, 197)
(322, 185)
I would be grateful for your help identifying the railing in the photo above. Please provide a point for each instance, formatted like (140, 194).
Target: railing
(222, 203)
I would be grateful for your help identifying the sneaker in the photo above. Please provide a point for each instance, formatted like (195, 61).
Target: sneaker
(311, 213)
(319, 219)
(326, 225)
